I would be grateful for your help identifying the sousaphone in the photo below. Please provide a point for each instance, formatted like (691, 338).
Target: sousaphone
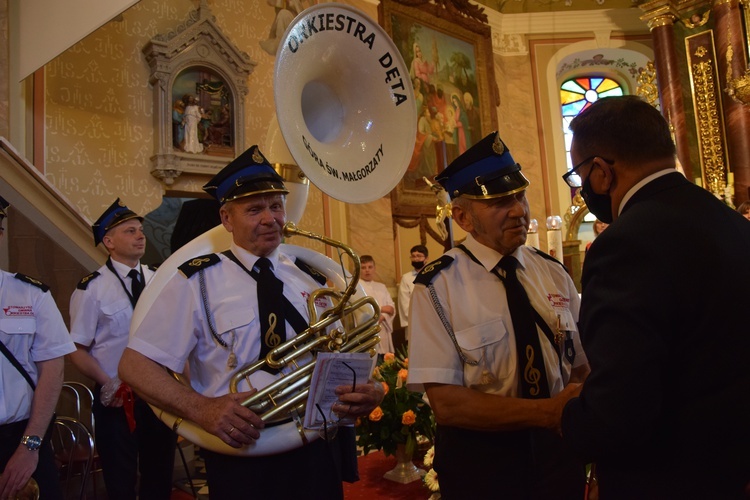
(347, 113)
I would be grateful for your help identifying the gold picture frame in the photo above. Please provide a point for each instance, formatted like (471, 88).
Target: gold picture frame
(448, 49)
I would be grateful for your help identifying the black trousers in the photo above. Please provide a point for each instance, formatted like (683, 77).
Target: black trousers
(149, 449)
(529, 465)
(45, 474)
(311, 472)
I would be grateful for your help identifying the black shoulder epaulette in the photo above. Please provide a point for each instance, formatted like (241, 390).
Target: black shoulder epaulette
(314, 273)
(153, 267)
(32, 281)
(195, 264)
(549, 257)
(84, 283)
(428, 272)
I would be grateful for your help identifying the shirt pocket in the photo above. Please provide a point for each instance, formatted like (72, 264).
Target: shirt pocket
(18, 326)
(227, 320)
(118, 314)
(567, 323)
(487, 344)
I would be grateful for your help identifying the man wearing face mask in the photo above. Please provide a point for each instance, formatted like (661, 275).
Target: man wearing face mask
(418, 255)
(665, 410)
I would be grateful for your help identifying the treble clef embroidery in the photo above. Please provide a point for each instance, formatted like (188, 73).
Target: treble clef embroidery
(531, 374)
(271, 338)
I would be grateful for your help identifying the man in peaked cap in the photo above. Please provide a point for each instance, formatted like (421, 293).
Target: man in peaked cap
(253, 298)
(34, 341)
(129, 437)
(493, 342)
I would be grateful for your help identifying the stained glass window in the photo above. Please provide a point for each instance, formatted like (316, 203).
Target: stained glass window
(578, 94)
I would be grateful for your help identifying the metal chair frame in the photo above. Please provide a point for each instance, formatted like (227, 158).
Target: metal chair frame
(73, 445)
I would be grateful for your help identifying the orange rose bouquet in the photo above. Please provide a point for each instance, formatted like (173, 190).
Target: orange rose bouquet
(401, 416)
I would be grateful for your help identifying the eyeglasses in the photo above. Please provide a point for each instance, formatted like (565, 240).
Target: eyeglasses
(572, 178)
(330, 426)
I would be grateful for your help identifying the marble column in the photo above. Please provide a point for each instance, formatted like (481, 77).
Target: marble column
(670, 87)
(729, 30)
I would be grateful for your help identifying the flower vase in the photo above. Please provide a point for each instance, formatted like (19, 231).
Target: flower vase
(405, 471)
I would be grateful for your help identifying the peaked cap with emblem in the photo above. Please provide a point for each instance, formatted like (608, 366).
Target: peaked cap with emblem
(3, 208)
(485, 170)
(248, 174)
(116, 214)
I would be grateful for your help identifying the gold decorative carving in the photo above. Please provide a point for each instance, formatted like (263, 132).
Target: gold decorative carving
(573, 217)
(697, 20)
(701, 51)
(647, 84)
(660, 21)
(708, 114)
(737, 88)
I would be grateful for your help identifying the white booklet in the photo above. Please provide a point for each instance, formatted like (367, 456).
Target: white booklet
(333, 369)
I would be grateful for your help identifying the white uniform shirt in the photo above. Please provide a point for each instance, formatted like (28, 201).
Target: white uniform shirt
(379, 292)
(32, 328)
(175, 330)
(405, 289)
(100, 315)
(474, 303)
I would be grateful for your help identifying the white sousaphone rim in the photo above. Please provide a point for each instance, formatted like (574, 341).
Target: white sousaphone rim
(345, 103)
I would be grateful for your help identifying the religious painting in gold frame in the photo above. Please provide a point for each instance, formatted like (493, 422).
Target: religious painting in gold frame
(449, 54)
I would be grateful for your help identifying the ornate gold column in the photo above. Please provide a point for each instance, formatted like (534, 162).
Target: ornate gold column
(660, 18)
(730, 43)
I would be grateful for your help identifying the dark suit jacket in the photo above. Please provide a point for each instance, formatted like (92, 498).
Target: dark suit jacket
(665, 412)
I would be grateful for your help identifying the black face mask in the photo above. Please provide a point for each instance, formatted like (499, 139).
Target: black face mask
(417, 264)
(598, 204)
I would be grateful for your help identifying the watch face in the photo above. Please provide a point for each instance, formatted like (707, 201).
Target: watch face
(32, 442)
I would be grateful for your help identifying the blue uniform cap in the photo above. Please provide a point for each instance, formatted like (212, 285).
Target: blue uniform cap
(117, 213)
(248, 174)
(3, 206)
(485, 170)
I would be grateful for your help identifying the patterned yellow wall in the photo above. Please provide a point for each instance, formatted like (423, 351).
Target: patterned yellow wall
(100, 123)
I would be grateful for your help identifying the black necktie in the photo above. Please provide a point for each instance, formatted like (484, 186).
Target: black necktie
(136, 285)
(270, 307)
(530, 357)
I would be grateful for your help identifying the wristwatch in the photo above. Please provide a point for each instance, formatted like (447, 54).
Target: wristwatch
(33, 443)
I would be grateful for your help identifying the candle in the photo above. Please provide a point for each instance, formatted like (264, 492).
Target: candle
(532, 237)
(554, 237)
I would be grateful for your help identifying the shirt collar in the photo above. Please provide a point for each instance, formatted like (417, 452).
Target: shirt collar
(124, 269)
(642, 183)
(489, 257)
(248, 259)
